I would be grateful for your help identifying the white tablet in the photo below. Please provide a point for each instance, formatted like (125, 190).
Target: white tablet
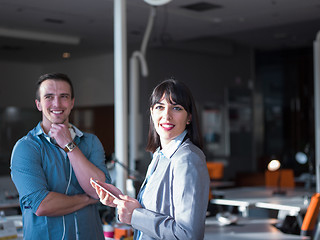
(104, 189)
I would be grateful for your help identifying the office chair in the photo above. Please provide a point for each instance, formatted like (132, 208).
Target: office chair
(215, 170)
(311, 217)
(286, 177)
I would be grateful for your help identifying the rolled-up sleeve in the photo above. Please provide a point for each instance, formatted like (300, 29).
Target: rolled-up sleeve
(27, 174)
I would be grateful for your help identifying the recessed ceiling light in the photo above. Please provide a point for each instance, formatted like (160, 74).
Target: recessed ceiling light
(38, 36)
(66, 55)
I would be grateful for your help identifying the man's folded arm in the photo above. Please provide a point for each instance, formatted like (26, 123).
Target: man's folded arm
(58, 204)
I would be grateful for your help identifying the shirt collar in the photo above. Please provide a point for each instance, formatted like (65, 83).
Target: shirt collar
(172, 146)
(39, 131)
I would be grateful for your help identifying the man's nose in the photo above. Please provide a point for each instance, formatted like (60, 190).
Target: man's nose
(56, 101)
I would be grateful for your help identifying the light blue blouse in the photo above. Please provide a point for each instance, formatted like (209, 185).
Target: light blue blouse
(174, 194)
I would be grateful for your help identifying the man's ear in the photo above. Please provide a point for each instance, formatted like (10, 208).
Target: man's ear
(38, 104)
(72, 103)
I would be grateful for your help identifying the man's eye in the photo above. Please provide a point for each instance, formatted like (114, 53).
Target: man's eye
(48, 97)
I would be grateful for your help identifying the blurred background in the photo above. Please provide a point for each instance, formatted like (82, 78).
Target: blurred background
(248, 63)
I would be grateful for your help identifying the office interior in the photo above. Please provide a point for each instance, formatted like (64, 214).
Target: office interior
(256, 102)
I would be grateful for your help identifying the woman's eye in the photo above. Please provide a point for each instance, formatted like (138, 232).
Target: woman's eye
(158, 107)
(178, 108)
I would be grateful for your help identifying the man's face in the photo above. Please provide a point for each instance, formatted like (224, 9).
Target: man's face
(55, 102)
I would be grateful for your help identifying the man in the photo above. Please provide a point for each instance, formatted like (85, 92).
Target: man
(51, 167)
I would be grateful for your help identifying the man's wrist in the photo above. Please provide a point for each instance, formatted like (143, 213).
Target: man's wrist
(69, 147)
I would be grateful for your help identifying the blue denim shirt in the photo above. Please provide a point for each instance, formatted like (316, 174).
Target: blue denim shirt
(38, 167)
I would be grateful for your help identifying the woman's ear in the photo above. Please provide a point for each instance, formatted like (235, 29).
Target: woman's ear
(189, 119)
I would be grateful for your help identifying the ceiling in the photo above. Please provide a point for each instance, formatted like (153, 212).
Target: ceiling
(261, 24)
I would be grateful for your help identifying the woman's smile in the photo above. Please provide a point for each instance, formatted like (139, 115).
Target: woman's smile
(167, 126)
(170, 120)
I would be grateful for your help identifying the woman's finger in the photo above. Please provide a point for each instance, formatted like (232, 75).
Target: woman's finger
(124, 197)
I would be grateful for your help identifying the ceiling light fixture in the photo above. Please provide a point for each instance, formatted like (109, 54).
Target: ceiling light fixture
(39, 36)
(157, 2)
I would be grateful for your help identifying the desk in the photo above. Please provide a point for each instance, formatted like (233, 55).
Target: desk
(292, 205)
(295, 206)
(17, 220)
(215, 184)
(8, 194)
(255, 229)
(8, 203)
(262, 197)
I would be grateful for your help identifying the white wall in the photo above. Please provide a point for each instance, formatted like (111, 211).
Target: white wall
(207, 75)
(18, 83)
(92, 78)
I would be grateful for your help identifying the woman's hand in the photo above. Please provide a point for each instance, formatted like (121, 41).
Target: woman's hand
(126, 205)
(104, 197)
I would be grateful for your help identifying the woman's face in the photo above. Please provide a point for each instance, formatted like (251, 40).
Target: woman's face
(169, 120)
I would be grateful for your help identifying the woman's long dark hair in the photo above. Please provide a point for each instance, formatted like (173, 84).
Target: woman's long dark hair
(177, 92)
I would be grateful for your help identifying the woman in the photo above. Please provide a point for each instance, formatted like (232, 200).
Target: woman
(173, 198)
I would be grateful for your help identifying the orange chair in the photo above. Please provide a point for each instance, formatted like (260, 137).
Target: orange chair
(310, 219)
(215, 170)
(286, 177)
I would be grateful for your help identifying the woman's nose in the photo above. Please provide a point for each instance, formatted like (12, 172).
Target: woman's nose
(167, 114)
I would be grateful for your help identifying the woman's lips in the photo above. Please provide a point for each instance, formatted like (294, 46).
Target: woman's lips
(167, 126)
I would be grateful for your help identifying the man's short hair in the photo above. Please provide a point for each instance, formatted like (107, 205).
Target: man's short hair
(55, 77)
